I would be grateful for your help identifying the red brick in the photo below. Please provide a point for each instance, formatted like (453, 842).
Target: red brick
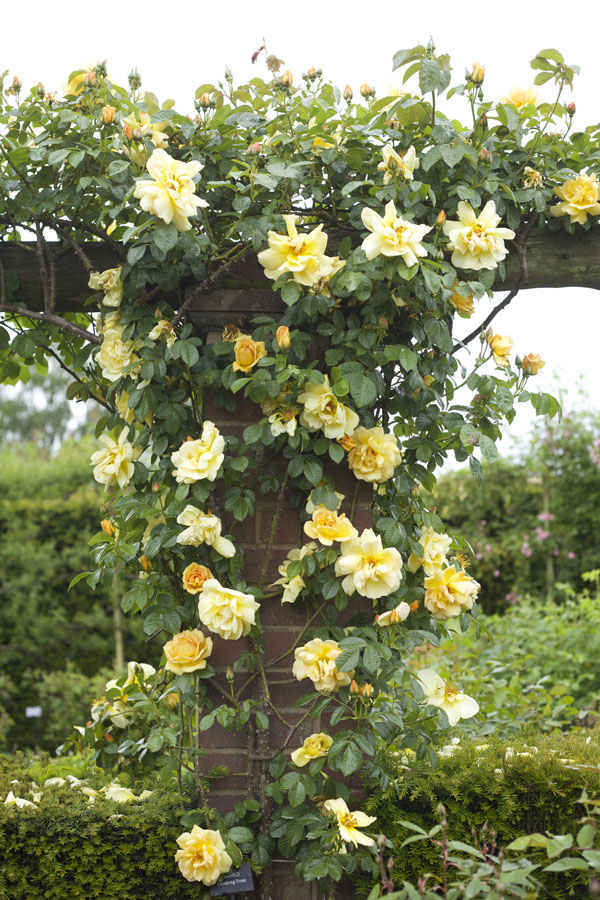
(243, 532)
(278, 642)
(279, 732)
(288, 529)
(362, 518)
(217, 737)
(284, 696)
(227, 652)
(274, 612)
(246, 411)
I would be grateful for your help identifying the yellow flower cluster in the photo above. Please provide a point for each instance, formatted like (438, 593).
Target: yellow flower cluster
(303, 255)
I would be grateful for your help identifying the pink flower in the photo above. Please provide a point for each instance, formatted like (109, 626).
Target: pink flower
(483, 523)
(540, 534)
(526, 550)
(496, 573)
(546, 517)
(555, 553)
(571, 555)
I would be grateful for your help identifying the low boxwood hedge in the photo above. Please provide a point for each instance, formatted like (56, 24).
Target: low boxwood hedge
(530, 785)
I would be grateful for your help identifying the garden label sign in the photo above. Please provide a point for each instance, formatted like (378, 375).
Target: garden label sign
(265, 300)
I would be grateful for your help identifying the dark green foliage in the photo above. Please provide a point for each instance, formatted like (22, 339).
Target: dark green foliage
(510, 796)
(49, 508)
(74, 850)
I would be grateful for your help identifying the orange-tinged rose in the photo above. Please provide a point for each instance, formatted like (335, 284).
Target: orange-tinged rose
(247, 353)
(187, 652)
(283, 337)
(108, 527)
(108, 114)
(194, 577)
(532, 363)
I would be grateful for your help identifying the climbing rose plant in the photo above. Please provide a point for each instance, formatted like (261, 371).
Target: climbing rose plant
(380, 223)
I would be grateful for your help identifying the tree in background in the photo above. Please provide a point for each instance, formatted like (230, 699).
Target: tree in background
(533, 521)
(52, 641)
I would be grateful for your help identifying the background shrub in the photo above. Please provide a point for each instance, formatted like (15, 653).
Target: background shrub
(537, 665)
(535, 792)
(49, 508)
(518, 549)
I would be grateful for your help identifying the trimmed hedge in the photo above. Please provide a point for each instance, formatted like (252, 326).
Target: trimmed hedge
(517, 795)
(69, 849)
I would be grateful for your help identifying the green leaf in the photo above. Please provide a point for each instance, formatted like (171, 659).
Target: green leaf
(488, 448)
(429, 75)
(297, 794)
(566, 864)
(469, 436)
(117, 167)
(240, 835)
(165, 237)
(313, 470)
(363, 390)
(290, 292)
(77, 579)
(351, 759)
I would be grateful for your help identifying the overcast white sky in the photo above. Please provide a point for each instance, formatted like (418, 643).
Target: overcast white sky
(178, 46)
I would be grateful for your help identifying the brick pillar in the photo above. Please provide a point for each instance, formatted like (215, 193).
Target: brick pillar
(245, 753)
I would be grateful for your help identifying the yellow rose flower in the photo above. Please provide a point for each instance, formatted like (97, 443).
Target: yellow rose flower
(301, 254)
(194, 577)
(393, 616)
(196, 460)
(349, 823)
(322, 409)
(114, 709)
(520, 97)
(283, 421)
(115, 354)
(393, 236)
(501, 348)
(170, 194)
(293, 587)
(187, 652)
(375, 454)
(315, 746)
(328, 526)
(449, 593)
(247, 353)
(393, 164)
(110, 282)
(316, 660)
(202, 855)
(165, 329)
(532, 363)
(580, 196)
(533, 178)
(203, 528)
(369, 568)
(228, 613)
(444, 695)
(464, 305)
(435, 547)
(114, 464)
(476, 241)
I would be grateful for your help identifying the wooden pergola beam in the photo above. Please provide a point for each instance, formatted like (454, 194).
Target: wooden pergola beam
(555, 259)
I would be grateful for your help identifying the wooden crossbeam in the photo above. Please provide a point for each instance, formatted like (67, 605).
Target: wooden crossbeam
(554, 260)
